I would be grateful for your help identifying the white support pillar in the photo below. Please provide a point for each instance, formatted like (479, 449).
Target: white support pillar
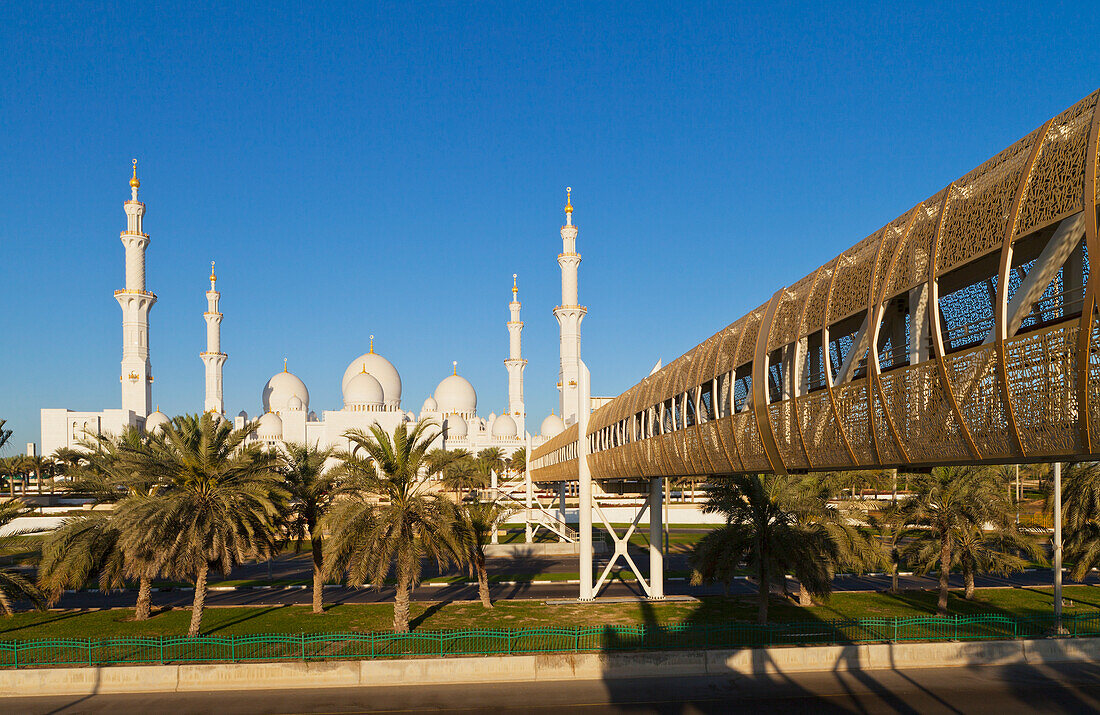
(656, 538)
(1058, 547)
(561, 507)
(584, 477)
(529, 494)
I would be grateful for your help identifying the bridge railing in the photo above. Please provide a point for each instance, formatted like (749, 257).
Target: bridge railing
(503, 641)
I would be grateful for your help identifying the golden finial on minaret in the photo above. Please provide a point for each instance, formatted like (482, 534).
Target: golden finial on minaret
(515, 289)
(213, 278)
(134, 183)
(455, 363)
(284, 365)
(568, 202)
(372, 344)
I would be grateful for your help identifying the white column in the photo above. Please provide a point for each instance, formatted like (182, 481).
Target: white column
(213, 358)
(585, 486)
(569, 315)
(529, 495)
(1058, 546)
(561, 506)
(515, 364)
(136, 376)
(656, 538)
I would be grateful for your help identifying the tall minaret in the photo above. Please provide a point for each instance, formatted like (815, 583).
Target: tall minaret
(569, 315)
(213, 358)
(136, 302)
(515, 362)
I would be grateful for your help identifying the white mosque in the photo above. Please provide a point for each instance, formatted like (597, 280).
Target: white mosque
(371, 385)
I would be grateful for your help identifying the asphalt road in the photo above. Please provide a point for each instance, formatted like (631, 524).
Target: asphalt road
(534, 591)
(1069, 688)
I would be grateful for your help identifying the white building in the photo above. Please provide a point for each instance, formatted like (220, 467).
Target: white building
(370, 386)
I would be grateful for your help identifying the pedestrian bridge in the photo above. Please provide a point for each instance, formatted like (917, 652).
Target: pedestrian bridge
(963, 331)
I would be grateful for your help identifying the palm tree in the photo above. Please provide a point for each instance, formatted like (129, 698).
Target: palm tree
(763, 529)
(946, 507)
(311, 489)
(463, 473)
(219, 505)
(5, 434)
(1081, 517)
(999, 550)
(14, 586)
(490, 460)
(809, 504)
(480, 519)
(888, 528)
(91, 545)
(390, 520)
(518, 461)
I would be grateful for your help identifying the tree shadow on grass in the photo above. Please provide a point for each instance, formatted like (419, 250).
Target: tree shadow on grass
(428, 612)
(253, 613)
(63, 616)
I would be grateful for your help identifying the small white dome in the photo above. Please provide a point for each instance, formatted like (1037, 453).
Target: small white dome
(429, 405)
(552, 426)
(476, 424)
(294, 404)
(455, 395)
(382, 370)
(280, 389)
(270, 427)
(363, 390)
(156, 421)
(504, 426)
(454, 426)
(411, 416)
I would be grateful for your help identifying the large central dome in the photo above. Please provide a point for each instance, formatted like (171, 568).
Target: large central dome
(456, 396)
(382, 370)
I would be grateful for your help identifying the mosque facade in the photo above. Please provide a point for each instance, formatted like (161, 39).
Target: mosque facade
(370, 386)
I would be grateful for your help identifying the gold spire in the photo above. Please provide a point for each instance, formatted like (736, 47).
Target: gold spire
(568, 202)
(213, 278)
(372, 345)
(364, 372)
(134, 183)
(515, 289)
(284, 364)
(455, 363)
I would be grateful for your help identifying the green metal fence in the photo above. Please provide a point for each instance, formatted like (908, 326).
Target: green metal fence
(490, 641)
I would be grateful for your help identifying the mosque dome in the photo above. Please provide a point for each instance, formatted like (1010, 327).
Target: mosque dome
(156, 421)
(454, 426)
(294, 404)
(552, 426)
(455, 395)
(270, 426)
(243, 415)
(280, 389)
(363, 390)
(504, 426)
(429, 405)
(382, 370)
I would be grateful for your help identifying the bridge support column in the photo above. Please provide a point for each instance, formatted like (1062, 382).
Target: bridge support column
(584, 479)
(1058, 546)
(656, 539)
(561, 505)
(529, 495)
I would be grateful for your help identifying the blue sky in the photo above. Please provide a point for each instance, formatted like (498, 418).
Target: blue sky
(384, 168)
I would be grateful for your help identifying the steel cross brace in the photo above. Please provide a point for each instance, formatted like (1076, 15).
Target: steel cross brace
(621, 549)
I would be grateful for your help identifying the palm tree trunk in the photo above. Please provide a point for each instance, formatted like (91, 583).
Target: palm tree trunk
(199, 602)
(144, 599)
(968, 575)
(762, 575)
(401, 598)
(318, 580)
(482, 581)
(894, 574)
(945, 570)
(804, 597)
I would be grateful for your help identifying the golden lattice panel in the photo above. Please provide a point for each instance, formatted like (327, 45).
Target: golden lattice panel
(1054, 189)
(1042, 373)
(824, 443)
(813, 317)
(787, 438)
(884, 435)
(978, 206)
(852, 286)
(974, 382)
(853, 407)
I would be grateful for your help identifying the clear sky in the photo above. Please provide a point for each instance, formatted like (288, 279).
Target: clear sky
(370, 168)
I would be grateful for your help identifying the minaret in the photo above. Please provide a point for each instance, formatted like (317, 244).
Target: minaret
(136, 302)
(213, 358)
(569, 315)
(515, 363)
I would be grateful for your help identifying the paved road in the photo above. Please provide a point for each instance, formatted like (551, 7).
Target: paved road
(535, 591)
(1070, 688)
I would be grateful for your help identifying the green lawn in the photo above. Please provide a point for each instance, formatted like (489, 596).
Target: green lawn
(524, 614)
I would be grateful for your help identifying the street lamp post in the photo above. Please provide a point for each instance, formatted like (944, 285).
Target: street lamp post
(1058, 546)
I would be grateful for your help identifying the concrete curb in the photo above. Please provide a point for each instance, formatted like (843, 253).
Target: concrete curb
(749, 662)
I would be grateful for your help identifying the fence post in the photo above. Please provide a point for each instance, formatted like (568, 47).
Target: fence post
(89, 652)
(233, 648)
(303, 645)
(162, 650)
(895, 630)
(576, 639)
(16, 651)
